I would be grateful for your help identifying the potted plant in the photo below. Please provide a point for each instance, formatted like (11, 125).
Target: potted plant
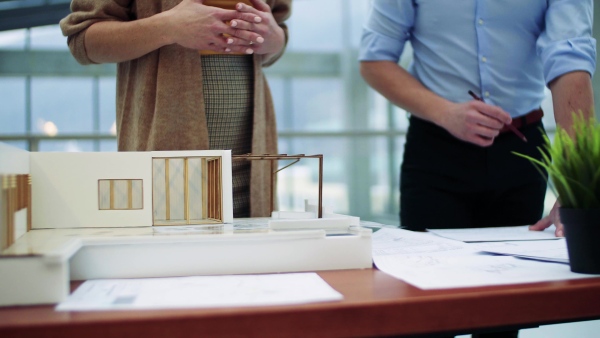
(573, 167)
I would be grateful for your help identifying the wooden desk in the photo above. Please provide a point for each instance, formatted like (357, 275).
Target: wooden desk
(375, 304)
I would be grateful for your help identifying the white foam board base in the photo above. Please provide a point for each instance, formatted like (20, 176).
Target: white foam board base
(40, 264)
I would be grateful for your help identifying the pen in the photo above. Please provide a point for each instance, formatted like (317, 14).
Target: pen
(510, 126)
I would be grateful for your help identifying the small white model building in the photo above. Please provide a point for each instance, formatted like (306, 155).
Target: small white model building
(119, 190)
(78, 216)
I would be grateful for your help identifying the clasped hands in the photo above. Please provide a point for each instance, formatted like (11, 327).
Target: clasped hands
(246, 29)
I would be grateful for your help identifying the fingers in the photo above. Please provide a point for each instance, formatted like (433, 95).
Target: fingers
(487, 115)
(555, 216)
(546, 222)
(236, 45)
(493, 112)
(483, 125)
(480, 128)
(244, 25)
(242, 42)
(552, 218)
(484, 122)
(481, 136)
(481, 141)
(227, 46)
(559, 230)
(223, 47)
(239, 49)
(489, 122)
(225, 15)
(264, 31)
(249, 13)
(242, 12)
(242, 34)
(542, 224)
(256, 23)
(249, 18)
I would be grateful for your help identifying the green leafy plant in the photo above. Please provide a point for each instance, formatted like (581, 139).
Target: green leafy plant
(573, 164)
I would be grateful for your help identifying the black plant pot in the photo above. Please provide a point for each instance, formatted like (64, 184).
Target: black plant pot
(582, 231)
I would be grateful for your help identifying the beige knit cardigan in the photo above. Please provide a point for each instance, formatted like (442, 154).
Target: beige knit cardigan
(159, 95)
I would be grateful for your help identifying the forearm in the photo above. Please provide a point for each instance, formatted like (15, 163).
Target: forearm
(572, 92)
(402, 89)
(117, 41)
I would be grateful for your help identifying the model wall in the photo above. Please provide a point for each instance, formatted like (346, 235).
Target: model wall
(65, 189)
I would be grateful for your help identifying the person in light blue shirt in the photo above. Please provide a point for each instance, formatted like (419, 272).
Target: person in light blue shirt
(458, 170)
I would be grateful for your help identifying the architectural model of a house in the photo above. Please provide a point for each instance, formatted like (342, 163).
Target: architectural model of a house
(76, 216)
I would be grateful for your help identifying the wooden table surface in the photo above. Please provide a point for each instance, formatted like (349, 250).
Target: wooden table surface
(375, 304)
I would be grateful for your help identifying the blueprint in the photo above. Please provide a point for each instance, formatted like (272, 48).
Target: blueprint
(428, 261)
(494, 234)
(199, 292)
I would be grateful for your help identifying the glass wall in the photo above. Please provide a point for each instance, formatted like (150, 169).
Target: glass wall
(50, 103)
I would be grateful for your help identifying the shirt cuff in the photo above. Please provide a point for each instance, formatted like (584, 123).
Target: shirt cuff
(578, 54)
(377, 47)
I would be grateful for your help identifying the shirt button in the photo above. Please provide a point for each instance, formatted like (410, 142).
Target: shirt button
(484, 59)
(480, 21)
(487, 94)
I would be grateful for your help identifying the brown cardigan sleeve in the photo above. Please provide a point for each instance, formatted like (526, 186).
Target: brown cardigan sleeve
(281, 9)
(85, 13)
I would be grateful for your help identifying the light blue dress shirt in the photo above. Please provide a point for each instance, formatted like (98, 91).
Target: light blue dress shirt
(505, 50)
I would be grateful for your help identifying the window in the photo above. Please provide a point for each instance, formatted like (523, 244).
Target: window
(323, 107)
(187, 190)
(120, 195)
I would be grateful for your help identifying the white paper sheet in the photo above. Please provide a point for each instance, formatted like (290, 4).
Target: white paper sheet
(400, 242)
(495, 234)
(432, 262)
(199, 291)
(553, 251)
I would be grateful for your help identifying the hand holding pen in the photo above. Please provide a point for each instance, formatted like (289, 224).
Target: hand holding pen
(508, 125)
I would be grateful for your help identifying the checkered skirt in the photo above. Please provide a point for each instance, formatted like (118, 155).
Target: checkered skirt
(228, 89)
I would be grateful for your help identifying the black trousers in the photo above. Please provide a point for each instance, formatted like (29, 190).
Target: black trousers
(449, 183)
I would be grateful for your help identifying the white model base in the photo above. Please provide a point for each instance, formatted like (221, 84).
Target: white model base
(40, 264)
(32, 280)
(92, 217)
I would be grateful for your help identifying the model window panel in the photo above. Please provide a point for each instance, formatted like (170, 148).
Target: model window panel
(120, 194)
(186, 190)
(159, 194)
(195, 188)
(176, 189)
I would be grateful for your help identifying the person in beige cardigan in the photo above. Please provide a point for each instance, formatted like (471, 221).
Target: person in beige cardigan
(160, 103)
